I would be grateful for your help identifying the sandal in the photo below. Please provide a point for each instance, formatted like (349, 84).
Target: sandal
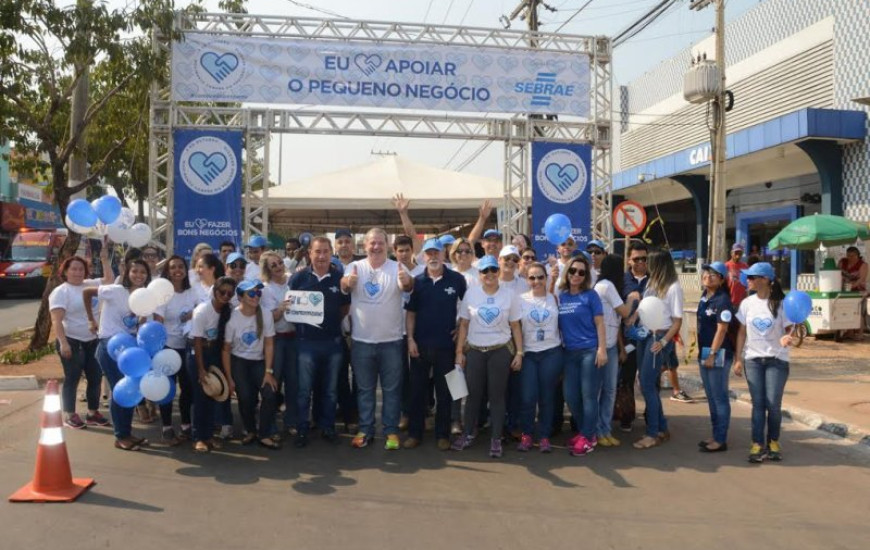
(646, 442)
(664, 436)
(248, 439)
(722, 447)
(269, 443)
(126, 444)
(201, 447)
(215, 444)
(144, 414)
(141, 441)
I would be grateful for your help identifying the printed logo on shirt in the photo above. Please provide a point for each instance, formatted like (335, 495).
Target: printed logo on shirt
(726, 316)
(488, 314)
(333, 289)
(95, 303)
(372, 288)
(248, 338)
(450, 291)
(211, 333)
(130, 321)
(762, 324)
(539, 316)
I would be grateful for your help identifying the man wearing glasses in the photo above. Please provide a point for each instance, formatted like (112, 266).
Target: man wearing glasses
(634, 285)
(735, 266)
(597, 251)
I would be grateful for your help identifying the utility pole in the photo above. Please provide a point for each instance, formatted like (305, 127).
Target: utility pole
(78, 162)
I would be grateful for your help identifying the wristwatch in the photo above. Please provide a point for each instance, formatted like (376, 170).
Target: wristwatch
(270, 371)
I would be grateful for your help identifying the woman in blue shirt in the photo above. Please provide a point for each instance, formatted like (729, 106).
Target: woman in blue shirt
(581, 321)
(717, 352)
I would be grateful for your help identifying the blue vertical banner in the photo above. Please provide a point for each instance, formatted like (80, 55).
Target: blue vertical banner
(208, 188)
(561, 184)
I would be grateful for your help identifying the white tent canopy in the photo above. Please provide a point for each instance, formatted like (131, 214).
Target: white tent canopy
(360, 197)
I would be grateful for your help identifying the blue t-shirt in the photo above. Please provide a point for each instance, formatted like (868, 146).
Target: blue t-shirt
(436, 304)
(577, 314)
(333, 301)
(712, 311)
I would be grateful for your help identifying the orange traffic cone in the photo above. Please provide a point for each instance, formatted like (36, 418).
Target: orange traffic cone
(52, 480)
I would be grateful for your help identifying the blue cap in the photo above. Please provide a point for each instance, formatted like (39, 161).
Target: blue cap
(257, 241)
(487, 261)
(718, 267)
(761, 269)
(235, 256)
(583, 253)
(343, 232)
(492, 233)
(446, 240)
(433, 244)
(248, 284)
(596, 242)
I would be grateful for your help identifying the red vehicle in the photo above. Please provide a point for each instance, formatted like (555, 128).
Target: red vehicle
(26, 266)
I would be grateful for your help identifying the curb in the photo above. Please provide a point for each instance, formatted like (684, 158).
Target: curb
(18, 383)
(812, 419)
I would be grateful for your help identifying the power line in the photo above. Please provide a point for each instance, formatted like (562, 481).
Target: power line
(464, 15)
(428, 8)
(320, 10)
(643, 22)
(576, 13)
(446, 13)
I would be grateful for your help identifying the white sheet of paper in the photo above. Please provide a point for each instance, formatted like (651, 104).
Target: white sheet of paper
(456, 383)
(629, 348)
(306, 307)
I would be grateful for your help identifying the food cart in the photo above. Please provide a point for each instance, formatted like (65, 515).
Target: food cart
(834, 312)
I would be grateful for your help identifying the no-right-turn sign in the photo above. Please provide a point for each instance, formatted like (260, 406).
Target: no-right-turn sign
(629, 218)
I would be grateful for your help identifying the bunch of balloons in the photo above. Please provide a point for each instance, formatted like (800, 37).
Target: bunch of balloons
(145, 301)
(106, 216)
(146, 365)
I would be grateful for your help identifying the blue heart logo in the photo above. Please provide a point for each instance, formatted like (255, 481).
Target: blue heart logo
(186, 91)
(211, 334)
(315, 298)
(372, 288)
(269, 93)
(249, 338)
(219, 66)
(762, 324)
(270, 51)
(270, 72)
(488, 314)
(298, 54)
(207, 167)
(562, 177)
(368, 64)
(457, 58)
(130, 321)
(507, 103)
(481, 61)
(507, 63)
(539, 315)
(200, 222)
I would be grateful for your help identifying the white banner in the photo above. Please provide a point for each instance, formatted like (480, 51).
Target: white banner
(424, 77)
(305, 307)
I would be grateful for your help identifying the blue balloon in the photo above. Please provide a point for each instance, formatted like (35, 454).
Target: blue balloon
(118, 343)
(108, 208)
(169, 398)
(81, 213)
(134, 362)
(797, 306)
(126, 392)
(557, 228)
(152, 337)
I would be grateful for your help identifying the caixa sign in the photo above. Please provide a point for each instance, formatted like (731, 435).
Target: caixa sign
(699, 155)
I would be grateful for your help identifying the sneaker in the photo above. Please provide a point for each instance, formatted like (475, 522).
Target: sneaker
(613, 441)
(75, 421)
(682, 397)
(756, 454)
(359, 441)
(456, 428)
(300, 441)
(625, 427)
(593, 441)
(443, 444)
(392, 443)
(545, 445)
(461, 442)
(604, 441)
(186, 433)
(495, 450)
(226, 432)
(581, 447)
(411, 443)
(774, 451)
(96, 419)
(525, 443)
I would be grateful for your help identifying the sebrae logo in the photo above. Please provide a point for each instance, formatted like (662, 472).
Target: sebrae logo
(208, 165)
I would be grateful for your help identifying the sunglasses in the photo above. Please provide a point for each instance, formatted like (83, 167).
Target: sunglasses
(489, 270)
(228, 293)
(537, 277)
(252, 293)
(273, 266)
(237, 265)
(529, 258)
(463, 251)
(512, 259)
(151, 256)
(596, 251)
(639, 260)
(575, 271)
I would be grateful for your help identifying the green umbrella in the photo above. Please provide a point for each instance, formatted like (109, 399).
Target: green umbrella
(820, 229)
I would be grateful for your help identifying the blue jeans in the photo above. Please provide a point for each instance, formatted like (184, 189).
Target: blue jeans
(609, 374)
(370, 362)
(539, 379)
(83, 360)
(347, 389)
(248, 376)
(184, 398)
(649, 368)
(439, 361)
(581, 389)
(203, 405)
(766, 377)
(122, 417)
(318, 360)
(716, 388)
(286, 368)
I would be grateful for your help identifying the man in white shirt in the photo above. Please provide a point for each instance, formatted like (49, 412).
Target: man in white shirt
(376, 284)
(256, 245)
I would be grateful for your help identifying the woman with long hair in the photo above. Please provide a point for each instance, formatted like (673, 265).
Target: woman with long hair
(199, 251)
(275, 278)
(116, 318)
(659, 345)
(207, 336)
(762, 342)
(461, 258)
(208, 269)
(609, 289)
(581, 320)
(175, 316)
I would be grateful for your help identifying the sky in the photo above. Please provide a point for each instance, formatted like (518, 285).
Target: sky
(305, 156)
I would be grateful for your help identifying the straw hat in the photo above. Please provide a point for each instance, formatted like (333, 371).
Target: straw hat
(215, 384)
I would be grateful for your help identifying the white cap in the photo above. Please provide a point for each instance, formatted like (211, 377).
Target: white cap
(509, 250)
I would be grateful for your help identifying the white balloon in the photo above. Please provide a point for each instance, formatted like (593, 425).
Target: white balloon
(138, 235)
(166, 361)
(76, 228)
(142, 302)
(118, 234)
(155, 386)
(653, 313)
(126, 218)
(162, 290)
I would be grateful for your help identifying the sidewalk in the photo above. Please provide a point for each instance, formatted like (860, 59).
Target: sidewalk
(828, 386)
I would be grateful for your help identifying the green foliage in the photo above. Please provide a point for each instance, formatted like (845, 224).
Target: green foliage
(24, 356)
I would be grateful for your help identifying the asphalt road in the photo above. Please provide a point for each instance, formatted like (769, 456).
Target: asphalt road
(17, 313)
(337, 497)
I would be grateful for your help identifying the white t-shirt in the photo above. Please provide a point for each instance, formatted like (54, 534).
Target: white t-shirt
(673, 303)
(610, 300)
(115, 314)
(472, 277)
(181, 303)
(202, 292)
(762, 330)
(241, 334)
(75, 320)
(252, 271)
(540, 322)
(376, 302)
(517, 285)
(273, 296)
(205, 322)
(489, 316)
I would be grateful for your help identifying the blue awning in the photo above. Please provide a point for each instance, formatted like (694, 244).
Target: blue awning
(789, 128)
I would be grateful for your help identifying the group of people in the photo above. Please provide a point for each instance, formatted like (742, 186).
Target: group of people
(528, 336)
